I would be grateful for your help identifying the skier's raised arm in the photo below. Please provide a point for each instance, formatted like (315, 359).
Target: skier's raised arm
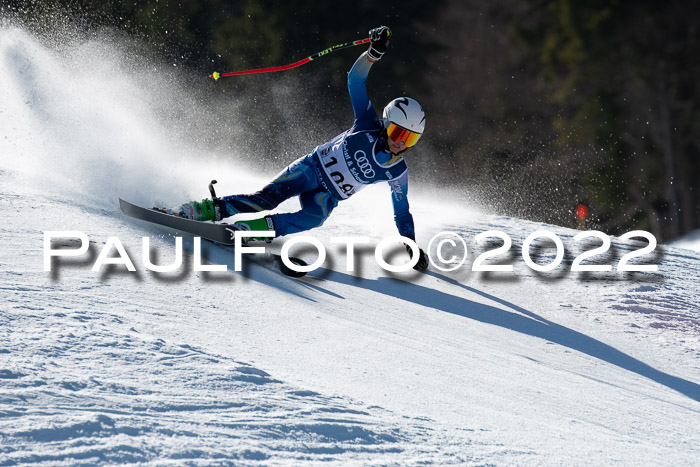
(365, 114)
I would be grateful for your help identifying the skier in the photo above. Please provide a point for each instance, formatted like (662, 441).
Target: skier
(370, 151)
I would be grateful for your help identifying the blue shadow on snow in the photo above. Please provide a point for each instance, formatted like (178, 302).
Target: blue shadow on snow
(524, 321)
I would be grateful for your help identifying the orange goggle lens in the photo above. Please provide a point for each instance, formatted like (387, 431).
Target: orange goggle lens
(396, 133)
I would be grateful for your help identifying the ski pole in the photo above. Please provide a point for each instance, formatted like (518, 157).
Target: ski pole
(217, 75)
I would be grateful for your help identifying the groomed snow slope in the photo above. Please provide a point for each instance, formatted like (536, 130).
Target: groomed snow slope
(255, 367)
(691, 241)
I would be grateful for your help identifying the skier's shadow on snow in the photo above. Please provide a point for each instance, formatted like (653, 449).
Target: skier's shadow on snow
(519, 320)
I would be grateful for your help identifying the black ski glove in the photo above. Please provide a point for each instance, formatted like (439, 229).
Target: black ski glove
(379, 42)
(423, 259)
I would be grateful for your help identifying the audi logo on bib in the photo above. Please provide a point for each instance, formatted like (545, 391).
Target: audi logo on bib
(363, 164)
(348, 163)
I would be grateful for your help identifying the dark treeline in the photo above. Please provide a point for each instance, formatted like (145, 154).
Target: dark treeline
(535, 105)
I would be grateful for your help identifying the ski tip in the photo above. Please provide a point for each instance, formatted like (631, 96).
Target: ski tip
(215, 75)
(124, 205)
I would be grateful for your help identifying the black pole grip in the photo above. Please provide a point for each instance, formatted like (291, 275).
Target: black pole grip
(212, 191)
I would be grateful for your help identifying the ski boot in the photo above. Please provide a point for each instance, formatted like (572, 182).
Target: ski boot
(264, 224)
(206, 210)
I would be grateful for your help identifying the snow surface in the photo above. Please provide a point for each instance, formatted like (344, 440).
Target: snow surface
(256, 368)
(690, 241)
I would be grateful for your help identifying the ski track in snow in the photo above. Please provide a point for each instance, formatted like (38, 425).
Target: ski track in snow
(255, 368)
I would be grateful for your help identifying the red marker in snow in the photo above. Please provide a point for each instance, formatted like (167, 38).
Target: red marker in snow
(581, 212)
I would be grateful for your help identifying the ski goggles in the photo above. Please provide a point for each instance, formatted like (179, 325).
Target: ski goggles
(396, 133)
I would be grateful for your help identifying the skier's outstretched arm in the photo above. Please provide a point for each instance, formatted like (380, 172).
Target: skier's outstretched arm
(403, 217)
(402, 213)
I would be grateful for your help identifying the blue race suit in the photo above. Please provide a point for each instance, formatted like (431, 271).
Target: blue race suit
(335, 170)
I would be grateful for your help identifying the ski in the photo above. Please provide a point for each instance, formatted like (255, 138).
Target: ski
(218, 233)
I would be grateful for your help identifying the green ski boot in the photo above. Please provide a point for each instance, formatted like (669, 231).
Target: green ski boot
(207, 210)
(264, 224)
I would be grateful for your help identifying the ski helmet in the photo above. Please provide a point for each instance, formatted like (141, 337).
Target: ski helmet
(404, 120)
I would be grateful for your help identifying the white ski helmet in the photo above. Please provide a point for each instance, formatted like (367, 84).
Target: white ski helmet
(407, 114)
